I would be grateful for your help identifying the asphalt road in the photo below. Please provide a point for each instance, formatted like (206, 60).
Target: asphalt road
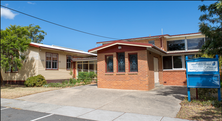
(10, 114)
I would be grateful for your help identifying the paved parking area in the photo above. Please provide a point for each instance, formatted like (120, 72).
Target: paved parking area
(162, 101)
(10, 114)
(26, 111)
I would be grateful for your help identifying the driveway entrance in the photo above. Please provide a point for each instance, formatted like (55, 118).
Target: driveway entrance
(161, 101)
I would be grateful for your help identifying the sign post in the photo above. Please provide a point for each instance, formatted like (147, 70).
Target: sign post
(203, 73)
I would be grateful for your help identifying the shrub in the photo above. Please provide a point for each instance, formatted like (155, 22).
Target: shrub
(74, 81)
(30, 82)
(206, 93)
(38, 81)
(66, 81)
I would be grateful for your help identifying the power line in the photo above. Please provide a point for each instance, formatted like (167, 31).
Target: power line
(58, 24)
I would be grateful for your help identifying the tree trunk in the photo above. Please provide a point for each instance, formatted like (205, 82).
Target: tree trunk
(2, 83)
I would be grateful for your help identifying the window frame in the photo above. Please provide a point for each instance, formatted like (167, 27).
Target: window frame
(186, 44)
(150, 41)
(67, 62)
(12, 71)
(51, 61)
(129, 62)
(118, 63)
(183, 63)
(106, 64)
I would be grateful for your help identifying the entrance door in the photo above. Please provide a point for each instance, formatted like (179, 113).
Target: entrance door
(156, 71)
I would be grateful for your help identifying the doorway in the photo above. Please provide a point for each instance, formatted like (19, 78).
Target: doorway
(156, 70)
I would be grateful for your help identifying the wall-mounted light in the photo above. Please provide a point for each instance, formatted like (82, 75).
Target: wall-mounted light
(119, 47)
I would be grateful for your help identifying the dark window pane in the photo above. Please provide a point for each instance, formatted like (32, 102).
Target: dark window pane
(133, 63)
(68, 62)
(48, 64)
(177, 61)
(85, 67)
(176, 45)
(109, 63)
(91, 67)
(121, 62)
(195, 43)
(167, 62)
(151, 42)
(15, 68)
(79, 67)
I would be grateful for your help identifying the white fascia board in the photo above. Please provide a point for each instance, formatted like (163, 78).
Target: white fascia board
(65, 49)
(95, 51)
(183, 35)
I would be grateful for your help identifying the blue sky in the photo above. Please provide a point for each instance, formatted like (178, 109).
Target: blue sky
(116, 19)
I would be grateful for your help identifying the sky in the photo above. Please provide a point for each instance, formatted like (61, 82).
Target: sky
(114, 19)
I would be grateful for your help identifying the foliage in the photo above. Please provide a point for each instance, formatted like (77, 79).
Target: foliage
(30, 82)
(37, 81)
(40, 80)
(14, 41)
(211, 26)
(73, 81)
(86, 77)
(207, 93)
(36, 35)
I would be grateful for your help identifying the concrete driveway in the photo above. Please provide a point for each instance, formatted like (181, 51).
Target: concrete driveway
(161, 101)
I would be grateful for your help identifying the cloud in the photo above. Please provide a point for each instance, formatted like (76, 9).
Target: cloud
(30, 3)
(6, 13)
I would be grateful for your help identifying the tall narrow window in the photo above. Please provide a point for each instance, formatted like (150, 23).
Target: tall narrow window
(121, 62)
(133, 62)
(109, 63)
(51, 61)
(48, 60)
(68, 62)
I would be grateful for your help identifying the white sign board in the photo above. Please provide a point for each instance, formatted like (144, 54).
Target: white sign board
(202, 66)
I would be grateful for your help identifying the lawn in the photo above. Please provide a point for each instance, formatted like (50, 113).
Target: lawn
(15, 91)
(199, 110)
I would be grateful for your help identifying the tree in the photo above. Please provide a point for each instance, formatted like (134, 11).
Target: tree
(14, 41)
(36, 35)
(211, 26)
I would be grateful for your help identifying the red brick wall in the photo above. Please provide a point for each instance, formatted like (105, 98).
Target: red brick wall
(174, 77)
(124, 80)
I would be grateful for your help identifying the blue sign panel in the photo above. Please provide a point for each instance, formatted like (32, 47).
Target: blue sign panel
(203, 73)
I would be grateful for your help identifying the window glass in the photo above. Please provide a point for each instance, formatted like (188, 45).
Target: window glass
(85, 67)
(177, 61)
(79, 66)
(68, 61)
(109, 63)
(133, 63)
(151, 42)
(54, 61)
(195, 43)
(9, 69)
(121, 62)
(48, 60)
(91, 67)
(176, 45)
(167, 62)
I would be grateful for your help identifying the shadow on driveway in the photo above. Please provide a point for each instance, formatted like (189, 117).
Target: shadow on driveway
(178, 92)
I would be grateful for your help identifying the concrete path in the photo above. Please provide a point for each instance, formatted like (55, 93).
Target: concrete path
(83, 113)
(162, 101)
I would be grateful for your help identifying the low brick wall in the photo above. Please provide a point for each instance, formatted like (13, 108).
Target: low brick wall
(174, 77)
